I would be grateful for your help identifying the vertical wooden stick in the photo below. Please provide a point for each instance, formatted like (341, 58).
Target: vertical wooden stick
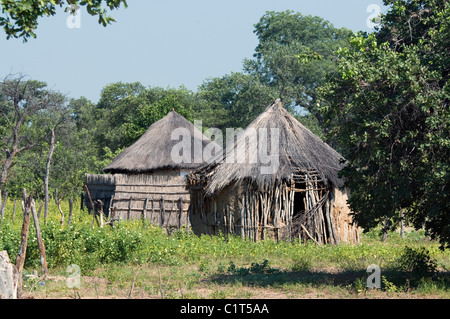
(402, 223)
(94, 218)
(144, 211)
(70, 211)
(181, 212)
(20, 259)
(170, 214)
(152, 212)
(40, 242)
(47, 173)
(100, 211)
(129, 208)
(14, 210)
(40, 209)
(61, 221)
(162, 211)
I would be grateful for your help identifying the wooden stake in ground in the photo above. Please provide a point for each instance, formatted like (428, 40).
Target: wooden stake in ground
(20, 259)
(58, 203)
(92, 206)
(100, 211)
(40, 209)
(132, 284)
(40, 242)
(47, 173)
(70, 211)
(14, 209)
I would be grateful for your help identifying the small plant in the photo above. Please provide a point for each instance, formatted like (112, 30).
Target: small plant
(203, 267)
(302, 265)
(218, 294)
(358, 286)
(388, 286)
(255, 268)
(260, 268)
(232, 267)
(418, 262)
(221, 268)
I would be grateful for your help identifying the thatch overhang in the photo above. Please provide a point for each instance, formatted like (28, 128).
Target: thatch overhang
(152, 151)
(299, 152)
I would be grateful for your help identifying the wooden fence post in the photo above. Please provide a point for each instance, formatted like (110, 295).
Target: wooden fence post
(40, 242)
(58, 202)
(94, 218)
(20, 259)
(40, 209)
(100, 210)
(144, 211)
(181, 212)
(162, 211)
(14, 210)
(70, 211)
(153, 211)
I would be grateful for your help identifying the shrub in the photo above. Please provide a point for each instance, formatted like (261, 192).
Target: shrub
(417, 262)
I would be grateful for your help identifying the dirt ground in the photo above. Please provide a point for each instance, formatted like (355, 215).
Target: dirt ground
(55, 287)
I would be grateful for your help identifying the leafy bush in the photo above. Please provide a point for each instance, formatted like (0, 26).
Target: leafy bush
(255, 269)
(134, 242)
(418, 262)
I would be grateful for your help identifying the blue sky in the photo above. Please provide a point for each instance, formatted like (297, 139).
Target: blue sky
(157, 42)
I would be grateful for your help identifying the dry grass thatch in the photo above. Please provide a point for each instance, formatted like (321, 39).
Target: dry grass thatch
(152, 151)
(300, 151)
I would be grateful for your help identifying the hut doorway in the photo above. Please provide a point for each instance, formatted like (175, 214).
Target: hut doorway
(299, 210)
(299, 200)
(299, 180)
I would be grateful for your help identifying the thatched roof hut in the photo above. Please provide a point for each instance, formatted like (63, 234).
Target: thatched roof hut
(153, 150)
(146, 180)
(289, 189)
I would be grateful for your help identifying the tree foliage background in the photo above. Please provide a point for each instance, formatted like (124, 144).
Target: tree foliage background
(381, 99)
(388, 109)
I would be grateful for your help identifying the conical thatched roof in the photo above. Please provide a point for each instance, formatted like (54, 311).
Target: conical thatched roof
(152, 151)
(299, 150)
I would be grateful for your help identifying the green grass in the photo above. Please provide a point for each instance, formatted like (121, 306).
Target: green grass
(184, 265)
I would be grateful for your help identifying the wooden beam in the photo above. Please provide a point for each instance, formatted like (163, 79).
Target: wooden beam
(40, 242)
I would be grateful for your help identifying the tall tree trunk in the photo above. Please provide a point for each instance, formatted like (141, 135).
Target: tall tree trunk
(70, 211)
(4, 175)
(5, 169)
(402, 223)
(386, 228)
(47, 173)
(2, 212)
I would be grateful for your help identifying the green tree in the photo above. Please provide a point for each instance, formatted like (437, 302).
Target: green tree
(388, 106)
(155, 103)
(29, 111)
(233, 100)
(126, 110)
(284, 38)
(19, 19)
(117, 102)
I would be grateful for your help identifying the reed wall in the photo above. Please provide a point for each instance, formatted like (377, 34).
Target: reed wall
(160, 197)
(246, 211)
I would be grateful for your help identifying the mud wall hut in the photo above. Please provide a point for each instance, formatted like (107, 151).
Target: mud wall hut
(146, 180)
(301, 198)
